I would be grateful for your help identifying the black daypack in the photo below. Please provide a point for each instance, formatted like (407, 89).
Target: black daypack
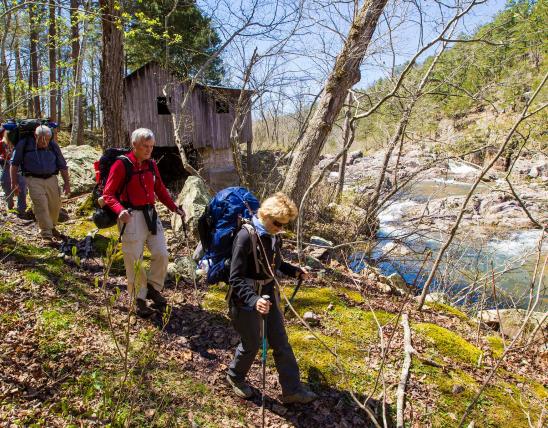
(103, 216)
(23, 128)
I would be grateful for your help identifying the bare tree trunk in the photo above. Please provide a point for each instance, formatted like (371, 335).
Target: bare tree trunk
(52, 51)
(92, 107)
(345, 74)
(59, 79)
(4, 71)
(348, 132)
(77, 131)
(240, 115)
(33, 76)
(112, 82)
(18, 67)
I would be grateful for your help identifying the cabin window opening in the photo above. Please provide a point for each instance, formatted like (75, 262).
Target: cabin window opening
(161, 104)
(221, 106)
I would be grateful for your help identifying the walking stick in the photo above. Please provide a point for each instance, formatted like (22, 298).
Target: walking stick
(299, 283)
(266, 297)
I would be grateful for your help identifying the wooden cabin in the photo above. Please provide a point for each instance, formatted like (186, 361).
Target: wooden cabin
(152, 99)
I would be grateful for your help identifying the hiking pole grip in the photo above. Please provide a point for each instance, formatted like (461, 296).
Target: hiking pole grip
(123, 227)
(183, 221)
(299, 283)
(266, 297)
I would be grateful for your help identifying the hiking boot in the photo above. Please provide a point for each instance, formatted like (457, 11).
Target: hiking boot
(160, 301)
(302, 396)
(49, 241)
(241, 389)
(58, 235)
(142, 310)
(25, 215)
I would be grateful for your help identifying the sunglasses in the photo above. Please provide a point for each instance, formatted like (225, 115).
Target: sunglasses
(278, 224)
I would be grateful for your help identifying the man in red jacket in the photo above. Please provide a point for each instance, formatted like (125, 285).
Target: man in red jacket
(134, 205)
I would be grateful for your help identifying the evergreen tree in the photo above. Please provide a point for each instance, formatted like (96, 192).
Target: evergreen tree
(173, 33)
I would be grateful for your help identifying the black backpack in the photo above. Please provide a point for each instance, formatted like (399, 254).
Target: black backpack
(22, 128)
(103, 216)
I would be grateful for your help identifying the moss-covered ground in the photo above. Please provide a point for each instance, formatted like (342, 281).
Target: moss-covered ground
(350, 329)
(55, 323)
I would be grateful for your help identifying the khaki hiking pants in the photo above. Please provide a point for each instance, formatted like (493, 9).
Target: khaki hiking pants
(134, 239)
(45, 195)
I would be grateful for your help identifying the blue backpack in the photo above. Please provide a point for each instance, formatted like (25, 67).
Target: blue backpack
(222, 219)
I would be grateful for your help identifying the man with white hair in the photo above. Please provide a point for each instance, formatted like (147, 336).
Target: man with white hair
(132, 200)
(40, 159)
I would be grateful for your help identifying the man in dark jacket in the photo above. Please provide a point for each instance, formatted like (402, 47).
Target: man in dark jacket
(247, 306)
(40, 160)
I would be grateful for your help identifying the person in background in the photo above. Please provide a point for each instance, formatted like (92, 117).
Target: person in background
(40, 160)
(6, 149)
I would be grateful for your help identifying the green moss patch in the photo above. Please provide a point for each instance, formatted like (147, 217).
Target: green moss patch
(446, 343)
(35, 277)
(214, 299)
(447, 309)
(497, 345)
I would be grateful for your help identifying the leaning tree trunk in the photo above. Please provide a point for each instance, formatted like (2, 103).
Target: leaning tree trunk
(112, 81)
(344, 75)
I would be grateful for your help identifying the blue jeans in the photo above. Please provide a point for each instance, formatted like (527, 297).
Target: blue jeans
(6, 187)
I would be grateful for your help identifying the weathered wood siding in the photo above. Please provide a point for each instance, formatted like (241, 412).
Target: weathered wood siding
(201, 125)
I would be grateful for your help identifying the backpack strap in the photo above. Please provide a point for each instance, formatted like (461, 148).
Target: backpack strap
(129, 172)
(253, 236)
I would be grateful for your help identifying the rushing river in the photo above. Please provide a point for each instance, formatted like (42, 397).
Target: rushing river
(472, 259)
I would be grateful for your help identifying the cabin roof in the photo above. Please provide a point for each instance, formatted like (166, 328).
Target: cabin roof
(134, 73)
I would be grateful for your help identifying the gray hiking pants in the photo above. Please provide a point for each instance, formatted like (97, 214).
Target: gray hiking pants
(248, 325)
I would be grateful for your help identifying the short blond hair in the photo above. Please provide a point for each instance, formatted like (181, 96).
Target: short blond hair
(278, 207)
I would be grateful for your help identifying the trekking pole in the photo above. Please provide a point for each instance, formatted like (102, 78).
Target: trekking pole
(123, 227)
(266, 297)
(183, 222)
(299, 283)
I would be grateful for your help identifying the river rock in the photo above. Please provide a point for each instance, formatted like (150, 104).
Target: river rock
(396, 249)
(182, 267)
(399, 285)
(80, 163)
(194, 197)
(436, 297)
(317, 253)
(318, 240)
(311, 318)
(352, 156)
(313, 262)
(538, 170)
(326, 161)
(511, 320)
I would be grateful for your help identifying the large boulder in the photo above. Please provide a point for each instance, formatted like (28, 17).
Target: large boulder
(509, 321)
(80, 163)
(194, 197)
(539, 170)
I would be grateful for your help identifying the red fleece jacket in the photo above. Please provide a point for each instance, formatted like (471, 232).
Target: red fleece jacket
(141, 189)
